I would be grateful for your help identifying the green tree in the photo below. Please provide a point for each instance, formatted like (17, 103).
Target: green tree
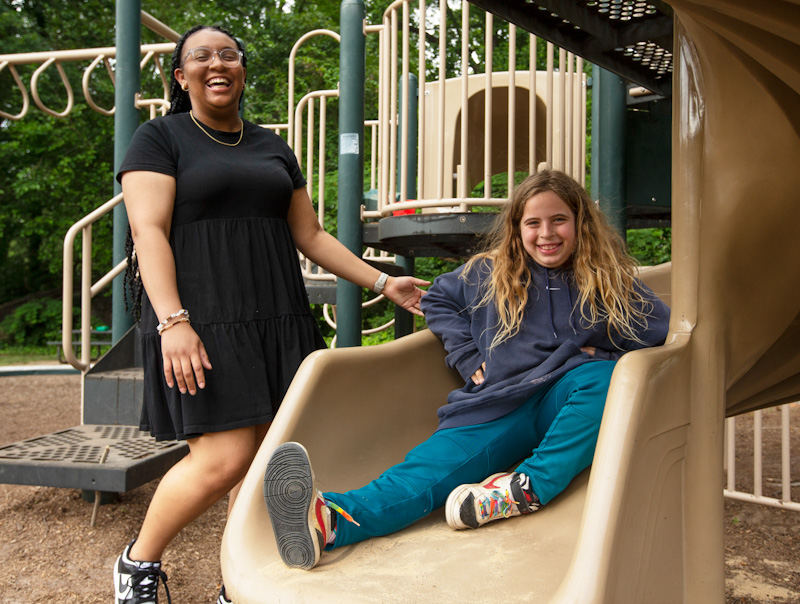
(650, 246)
(52, 171)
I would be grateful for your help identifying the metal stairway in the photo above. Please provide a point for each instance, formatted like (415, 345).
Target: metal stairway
(107, 452)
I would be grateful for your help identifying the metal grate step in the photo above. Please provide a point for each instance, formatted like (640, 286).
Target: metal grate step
(74, 458)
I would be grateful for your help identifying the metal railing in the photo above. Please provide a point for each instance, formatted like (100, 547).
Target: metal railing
(88, 289)
(785, 480)
(560, 91)
(444, 183)
(96, 56)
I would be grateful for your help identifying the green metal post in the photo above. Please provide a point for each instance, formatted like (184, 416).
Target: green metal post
(126, 120)
(608, 145)
(352, 68)
(404, 320)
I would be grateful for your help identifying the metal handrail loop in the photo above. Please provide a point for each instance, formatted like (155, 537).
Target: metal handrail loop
(85, 82)
(25, 99)
(67, 86)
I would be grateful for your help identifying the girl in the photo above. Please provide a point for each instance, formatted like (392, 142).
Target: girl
(534, 325)
(217, 206)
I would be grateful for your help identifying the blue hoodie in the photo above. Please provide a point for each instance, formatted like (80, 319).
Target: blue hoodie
(547, 346)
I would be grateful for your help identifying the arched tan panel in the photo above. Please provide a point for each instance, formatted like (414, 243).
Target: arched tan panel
(476, 133)
(476, 111)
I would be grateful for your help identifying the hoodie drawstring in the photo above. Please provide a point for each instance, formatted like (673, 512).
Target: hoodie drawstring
(550, 304)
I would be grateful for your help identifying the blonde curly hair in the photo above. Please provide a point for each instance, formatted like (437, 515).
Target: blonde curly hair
(602, 268)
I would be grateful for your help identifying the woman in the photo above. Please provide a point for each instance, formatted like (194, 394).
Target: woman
(217, 206)
(534, 326)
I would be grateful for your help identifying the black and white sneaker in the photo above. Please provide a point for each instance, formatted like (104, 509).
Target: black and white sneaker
(223, 597)
(137, 582)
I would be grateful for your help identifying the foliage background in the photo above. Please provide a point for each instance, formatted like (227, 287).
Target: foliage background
(54, 171)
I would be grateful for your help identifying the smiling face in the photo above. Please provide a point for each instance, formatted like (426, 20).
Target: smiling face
(548, 230)
(214, 87)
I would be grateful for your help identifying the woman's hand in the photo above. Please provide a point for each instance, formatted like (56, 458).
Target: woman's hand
(184, 358)
(406, 292)
(590, 350)
(477, 377)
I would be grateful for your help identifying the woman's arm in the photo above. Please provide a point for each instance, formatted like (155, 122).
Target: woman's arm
(326, 251)
(149, 201)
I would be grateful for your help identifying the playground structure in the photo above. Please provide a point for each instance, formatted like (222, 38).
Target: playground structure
(646, 524)
(112, 391)
(651, 526)
(106, 452)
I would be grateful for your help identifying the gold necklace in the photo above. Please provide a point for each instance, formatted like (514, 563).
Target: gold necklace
(241, 133)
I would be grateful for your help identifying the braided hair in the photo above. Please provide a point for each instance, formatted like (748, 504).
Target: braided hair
(180, 103)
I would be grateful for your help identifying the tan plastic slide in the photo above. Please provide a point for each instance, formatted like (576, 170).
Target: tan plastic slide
(645, 524)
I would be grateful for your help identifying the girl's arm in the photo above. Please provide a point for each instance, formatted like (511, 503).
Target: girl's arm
(149, 201)
(326, 251)
(657, 325)
(657, 319)
(448, 315)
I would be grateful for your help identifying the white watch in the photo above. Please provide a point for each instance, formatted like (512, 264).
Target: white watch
(380, 283)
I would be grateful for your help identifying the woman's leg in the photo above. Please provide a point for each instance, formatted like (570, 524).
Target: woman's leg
(216, 462)
(569, 416)
(260, 434)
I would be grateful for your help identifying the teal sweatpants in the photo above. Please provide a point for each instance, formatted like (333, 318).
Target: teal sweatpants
(555, 432)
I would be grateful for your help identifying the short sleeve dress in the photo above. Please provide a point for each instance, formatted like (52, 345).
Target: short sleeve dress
(237, 272)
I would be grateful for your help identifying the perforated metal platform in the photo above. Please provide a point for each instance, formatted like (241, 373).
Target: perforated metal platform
(632, 38)
(73, 458)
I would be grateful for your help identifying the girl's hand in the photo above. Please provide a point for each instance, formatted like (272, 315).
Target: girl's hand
(590, 350)
(477, 377)
(405, 292)
(184, 358)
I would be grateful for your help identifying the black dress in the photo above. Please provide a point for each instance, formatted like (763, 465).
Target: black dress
(237, 271)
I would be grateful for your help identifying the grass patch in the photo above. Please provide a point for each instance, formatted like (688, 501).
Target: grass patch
(22, 355)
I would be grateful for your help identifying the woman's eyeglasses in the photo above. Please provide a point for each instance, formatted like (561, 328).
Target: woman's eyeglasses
(230, 57)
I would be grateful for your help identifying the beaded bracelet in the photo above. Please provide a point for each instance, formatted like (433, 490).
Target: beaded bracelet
(163, 328)
(164, 324)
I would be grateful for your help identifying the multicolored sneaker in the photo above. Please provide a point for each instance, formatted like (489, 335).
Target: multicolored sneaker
(300, 516)
(501, 495)
(137, 582)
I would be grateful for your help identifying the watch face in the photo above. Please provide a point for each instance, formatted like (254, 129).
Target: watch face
(380, 283)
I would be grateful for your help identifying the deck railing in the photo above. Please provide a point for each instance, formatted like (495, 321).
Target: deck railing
(95, 56)
(445, 175)
(784, 482)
